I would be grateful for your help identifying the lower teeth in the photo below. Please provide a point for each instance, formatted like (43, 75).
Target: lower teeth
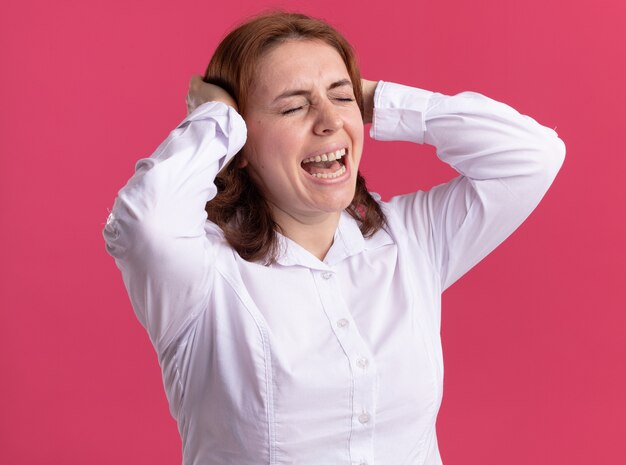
(336, 174)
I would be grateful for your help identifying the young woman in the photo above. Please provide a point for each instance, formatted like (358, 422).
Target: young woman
(295, 316)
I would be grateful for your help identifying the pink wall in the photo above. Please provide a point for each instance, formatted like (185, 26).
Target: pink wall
(534, 337)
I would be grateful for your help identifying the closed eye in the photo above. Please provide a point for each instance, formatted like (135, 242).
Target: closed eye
(292, 110)
(295, 109)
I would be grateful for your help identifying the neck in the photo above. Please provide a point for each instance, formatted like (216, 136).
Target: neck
(313, 233)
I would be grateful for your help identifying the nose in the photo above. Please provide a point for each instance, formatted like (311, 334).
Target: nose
(328, 119)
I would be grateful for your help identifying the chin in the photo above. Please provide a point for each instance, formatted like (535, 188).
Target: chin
(338, 204)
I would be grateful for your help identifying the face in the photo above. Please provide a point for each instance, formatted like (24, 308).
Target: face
(305, 131)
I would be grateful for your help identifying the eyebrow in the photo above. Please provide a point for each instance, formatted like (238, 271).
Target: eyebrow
(294, 92)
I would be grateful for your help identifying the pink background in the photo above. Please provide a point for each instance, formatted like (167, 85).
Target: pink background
(534, 337)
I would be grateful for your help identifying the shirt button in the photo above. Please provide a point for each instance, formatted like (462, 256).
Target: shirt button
(364, 418)
(327, 275)
(362, 362)
(343, 323)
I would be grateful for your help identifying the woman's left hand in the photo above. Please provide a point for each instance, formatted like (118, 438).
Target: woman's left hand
(369, 87)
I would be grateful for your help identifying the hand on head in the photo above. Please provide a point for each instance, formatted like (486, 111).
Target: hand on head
(369, 87)
(201, 92)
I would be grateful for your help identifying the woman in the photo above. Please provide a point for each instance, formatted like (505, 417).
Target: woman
(300, 323)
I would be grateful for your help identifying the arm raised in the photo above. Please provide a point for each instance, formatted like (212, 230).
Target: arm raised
(156, 231)
(506, 162)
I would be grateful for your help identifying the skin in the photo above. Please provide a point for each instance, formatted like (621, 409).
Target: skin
(301, 104)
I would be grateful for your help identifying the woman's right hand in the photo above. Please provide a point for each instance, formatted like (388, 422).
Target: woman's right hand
(200, 92)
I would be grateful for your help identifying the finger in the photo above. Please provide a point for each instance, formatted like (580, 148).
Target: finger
(195, 83)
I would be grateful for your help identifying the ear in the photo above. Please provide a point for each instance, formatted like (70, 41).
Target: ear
(242, 162)
(242, 158)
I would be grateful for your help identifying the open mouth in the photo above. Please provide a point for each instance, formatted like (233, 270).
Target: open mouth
(326, 166)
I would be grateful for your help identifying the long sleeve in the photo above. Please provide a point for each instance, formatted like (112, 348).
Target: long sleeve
(156, 230)
(507, 161)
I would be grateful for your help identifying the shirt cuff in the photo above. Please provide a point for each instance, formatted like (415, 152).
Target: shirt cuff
(229, 124)
(399, 113)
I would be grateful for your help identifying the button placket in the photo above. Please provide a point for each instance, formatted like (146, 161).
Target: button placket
(363, 369)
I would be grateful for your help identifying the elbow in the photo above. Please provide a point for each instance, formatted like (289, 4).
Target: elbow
(111, 236)
(130, 226)
(544, 156)
(127, 236)
(557, 150)
(553, 155)
(546, 153)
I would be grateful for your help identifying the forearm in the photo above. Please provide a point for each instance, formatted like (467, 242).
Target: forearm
(156, 231)
(507, 162)
(170, 188)
(481, 138)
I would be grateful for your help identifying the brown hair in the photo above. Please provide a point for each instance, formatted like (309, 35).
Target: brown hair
(239, 208)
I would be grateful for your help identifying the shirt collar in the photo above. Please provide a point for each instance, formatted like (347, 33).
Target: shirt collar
(348, 241)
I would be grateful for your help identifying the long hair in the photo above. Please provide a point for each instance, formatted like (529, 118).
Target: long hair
(239, 207)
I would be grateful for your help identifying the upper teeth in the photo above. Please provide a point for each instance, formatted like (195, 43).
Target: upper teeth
(330, 156)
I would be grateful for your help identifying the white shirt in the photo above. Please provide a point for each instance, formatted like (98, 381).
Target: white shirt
(320, 362)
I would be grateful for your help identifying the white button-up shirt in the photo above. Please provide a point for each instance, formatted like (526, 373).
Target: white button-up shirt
(313, 362)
